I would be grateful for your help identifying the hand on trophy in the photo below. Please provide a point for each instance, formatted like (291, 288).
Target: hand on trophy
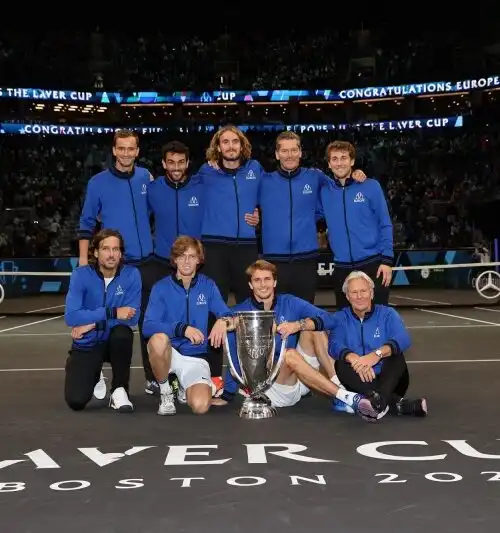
(218, 333)
(288, 328)
(194, 335)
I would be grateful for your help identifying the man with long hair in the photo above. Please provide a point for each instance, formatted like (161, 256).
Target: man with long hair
(230, 216)
(102, 305)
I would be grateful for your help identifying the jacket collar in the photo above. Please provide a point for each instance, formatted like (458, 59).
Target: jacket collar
(178, 281)
(231, 171)
(367, 315)
(260, 305)
(349, 181)
(95, 266)
(122, 175)
(175, 184)
(288, 173)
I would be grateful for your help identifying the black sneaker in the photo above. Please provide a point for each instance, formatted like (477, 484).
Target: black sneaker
(416, 407)
(152, 388)
(371, 407)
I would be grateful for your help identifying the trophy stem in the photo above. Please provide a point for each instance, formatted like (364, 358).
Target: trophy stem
(257, 407)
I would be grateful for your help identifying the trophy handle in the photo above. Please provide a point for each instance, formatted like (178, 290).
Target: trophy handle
(231, 364)
(277, 367)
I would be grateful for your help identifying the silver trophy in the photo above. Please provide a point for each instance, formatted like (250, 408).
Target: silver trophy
(255, 333)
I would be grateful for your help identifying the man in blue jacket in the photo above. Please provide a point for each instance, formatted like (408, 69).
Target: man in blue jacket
(117, 197)
(368, 343)
(290, 206)
(231, 186)
(177, 325)
(298, 374)
(359, 225)
(102, 306)
(229, 217)
(176, 201)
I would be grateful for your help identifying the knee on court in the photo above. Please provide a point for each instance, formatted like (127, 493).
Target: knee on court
(76, 403)
(158, 343)
(76, 406)
(199, 403)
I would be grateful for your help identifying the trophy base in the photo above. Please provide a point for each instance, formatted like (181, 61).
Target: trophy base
(257, 409)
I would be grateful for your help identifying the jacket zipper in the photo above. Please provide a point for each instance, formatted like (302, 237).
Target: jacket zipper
(345, 222)
(135, 217)
(291, 214)
(237, 207)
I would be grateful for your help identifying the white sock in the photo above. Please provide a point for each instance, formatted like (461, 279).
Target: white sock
(165, 387)
(335, 379)
(346, 396)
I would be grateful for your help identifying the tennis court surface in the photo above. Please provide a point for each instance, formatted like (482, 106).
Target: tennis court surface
(307, 469)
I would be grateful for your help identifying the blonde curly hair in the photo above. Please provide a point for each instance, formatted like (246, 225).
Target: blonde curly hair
(213, 151)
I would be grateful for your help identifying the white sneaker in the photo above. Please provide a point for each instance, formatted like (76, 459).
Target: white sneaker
(167, 405)
(100, 389)
(119, 400)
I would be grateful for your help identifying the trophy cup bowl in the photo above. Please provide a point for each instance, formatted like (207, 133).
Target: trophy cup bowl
(255, 345)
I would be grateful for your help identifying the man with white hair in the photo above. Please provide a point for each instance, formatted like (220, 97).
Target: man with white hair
(368, 345)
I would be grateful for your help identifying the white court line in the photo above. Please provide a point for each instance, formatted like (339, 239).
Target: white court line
(44, 309)
(488, 309)
(30, 324)
(430, 326)
(439, 361)
(9, 335)
(419, 300)
(456, 316)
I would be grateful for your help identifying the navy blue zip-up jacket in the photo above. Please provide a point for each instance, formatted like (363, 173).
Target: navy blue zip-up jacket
(229, 195)
(358, 221)
(289, 203)
(172, 308)
(120, 201)
(89, 301)
(382, 325)
(177, 209)
(287, 308)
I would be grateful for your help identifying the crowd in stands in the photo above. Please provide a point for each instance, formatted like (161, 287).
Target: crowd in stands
(430, 180)
(240, 58)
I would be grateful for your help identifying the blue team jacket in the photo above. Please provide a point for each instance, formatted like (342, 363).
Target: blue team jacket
(287, 308)
(228, 196)
(177, 209)
(358, 221)
(89, 301)
(120, 201)
(172, 308)
(382, 325)
(290, 203)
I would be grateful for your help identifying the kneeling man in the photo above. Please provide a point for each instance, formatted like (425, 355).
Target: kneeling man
(176, 323)
(102, 305)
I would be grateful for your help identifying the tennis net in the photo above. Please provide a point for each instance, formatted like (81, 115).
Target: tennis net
(431, 286)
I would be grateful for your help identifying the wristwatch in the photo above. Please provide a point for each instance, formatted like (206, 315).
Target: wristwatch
(379, 353)
(302, 324)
